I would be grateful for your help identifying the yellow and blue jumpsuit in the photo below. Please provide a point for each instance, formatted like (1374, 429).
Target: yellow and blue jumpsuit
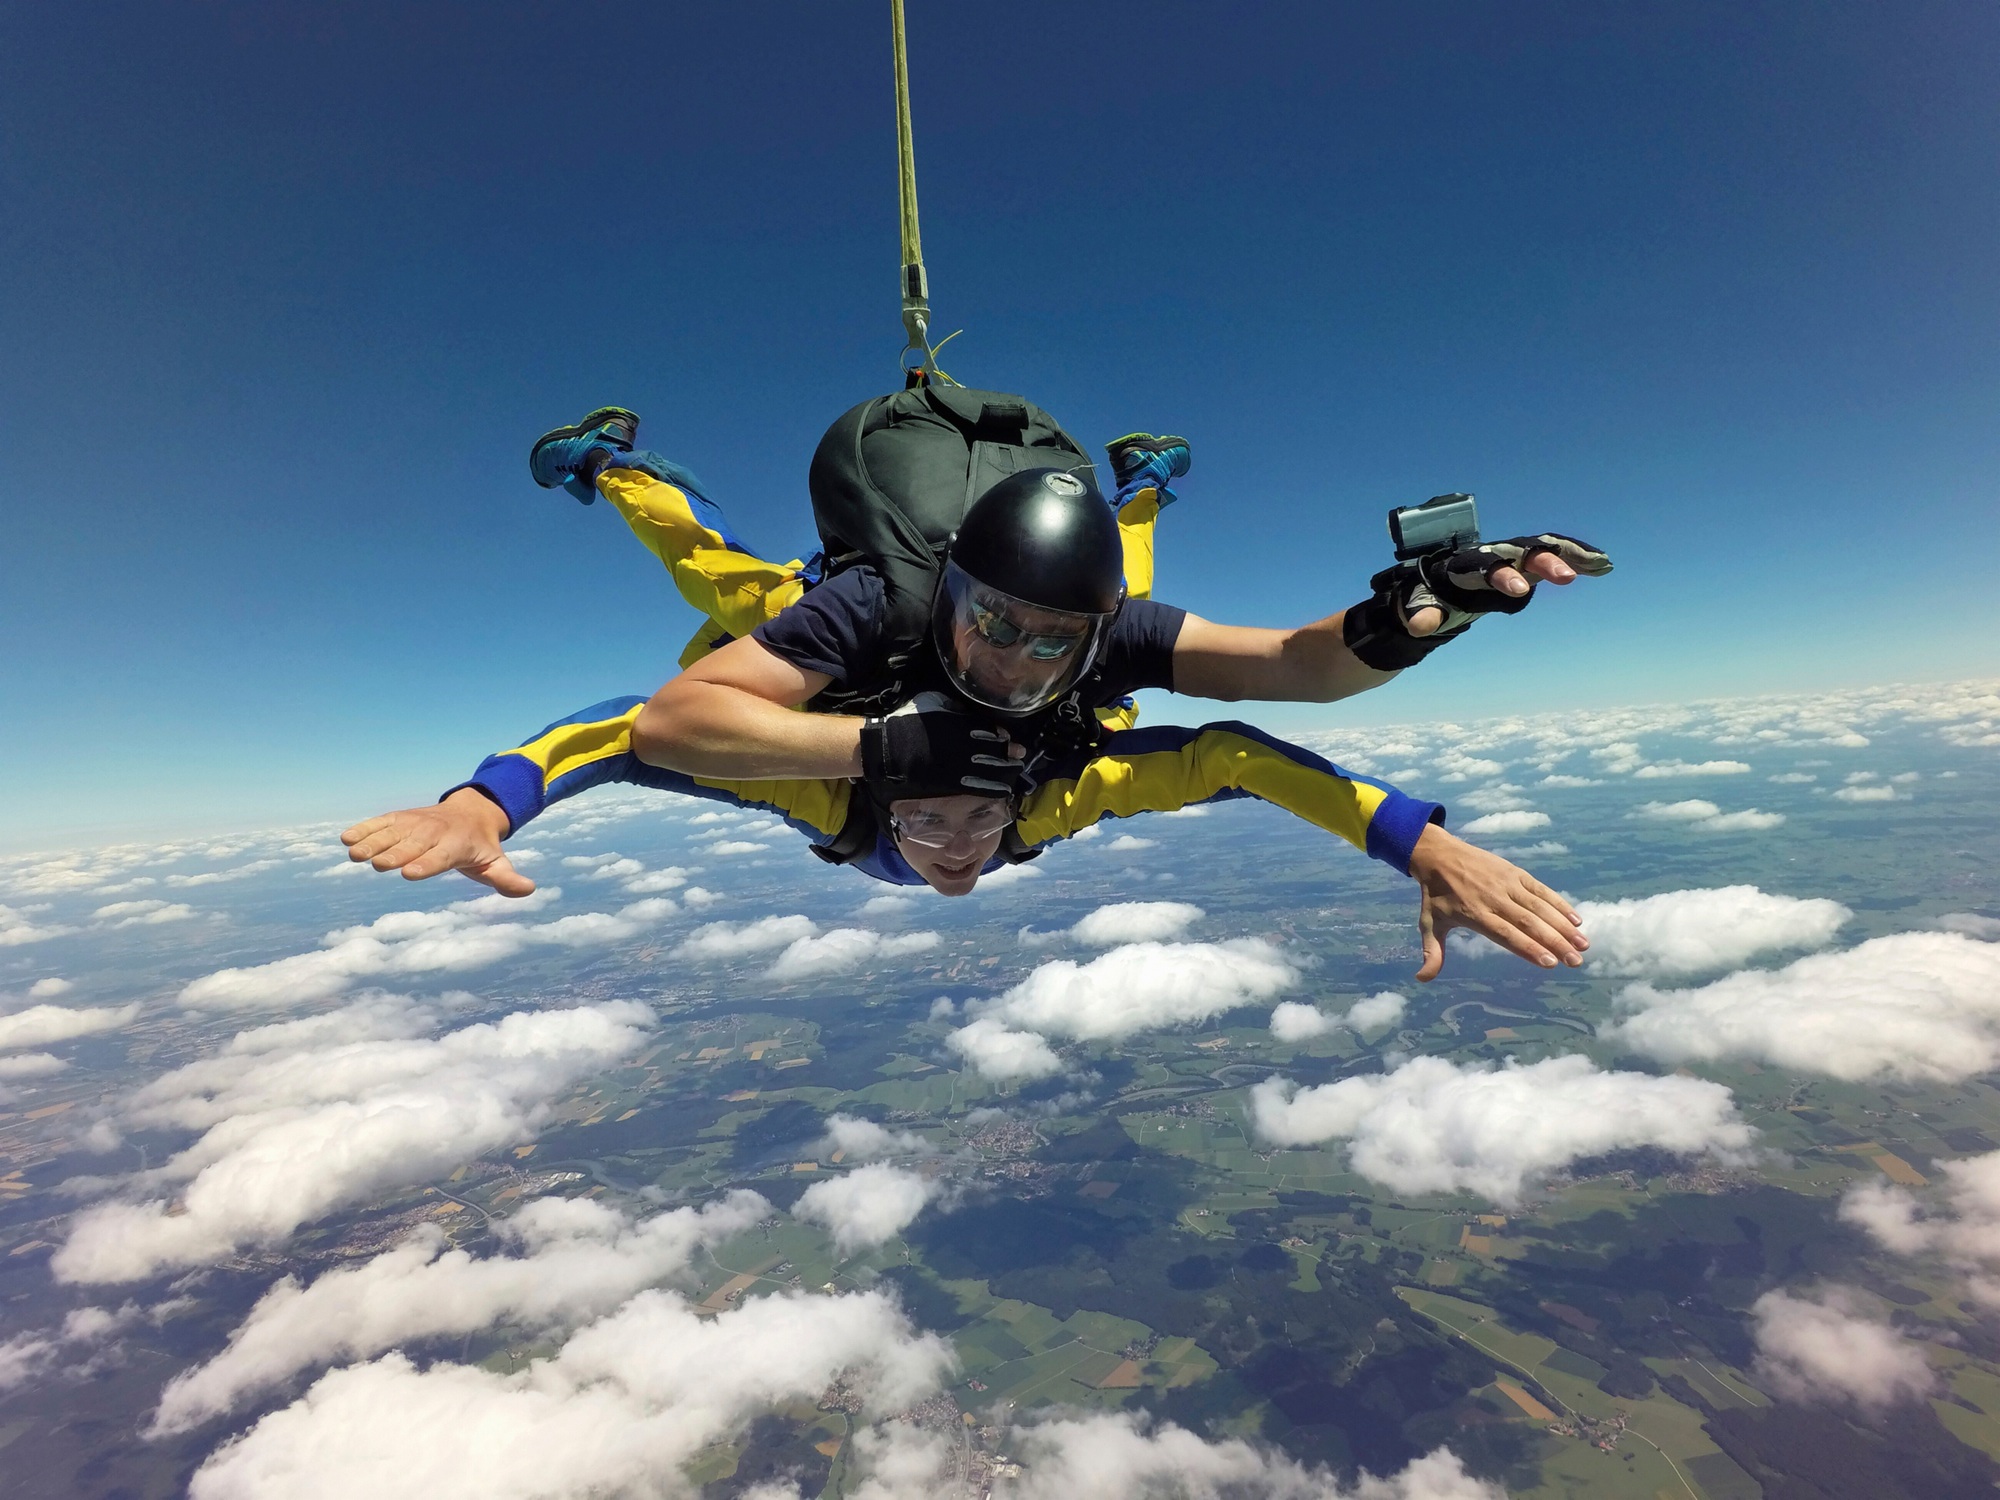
(1160, 769)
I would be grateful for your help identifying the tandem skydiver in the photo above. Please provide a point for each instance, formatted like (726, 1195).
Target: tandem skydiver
(1008, 655)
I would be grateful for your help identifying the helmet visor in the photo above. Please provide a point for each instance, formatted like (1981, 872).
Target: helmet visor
(1009, 655)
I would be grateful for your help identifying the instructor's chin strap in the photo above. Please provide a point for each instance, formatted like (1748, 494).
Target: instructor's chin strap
(1457, 584)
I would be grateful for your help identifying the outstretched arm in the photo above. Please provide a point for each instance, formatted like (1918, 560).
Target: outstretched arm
(1317, 663)
(1165, 768)
(463, 831)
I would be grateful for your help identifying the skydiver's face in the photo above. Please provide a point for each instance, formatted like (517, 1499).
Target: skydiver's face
(948, 840)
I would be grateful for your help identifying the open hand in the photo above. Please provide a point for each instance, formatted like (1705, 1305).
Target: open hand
(1466, 886)
(461, 833)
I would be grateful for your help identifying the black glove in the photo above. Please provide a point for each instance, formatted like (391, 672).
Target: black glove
(1459, 585)
(937, 753)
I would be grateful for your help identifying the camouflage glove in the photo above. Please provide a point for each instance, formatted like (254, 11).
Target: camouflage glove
(1457, 584)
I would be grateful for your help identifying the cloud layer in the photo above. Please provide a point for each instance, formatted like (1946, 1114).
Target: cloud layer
(1695, 931)
(330, 1112)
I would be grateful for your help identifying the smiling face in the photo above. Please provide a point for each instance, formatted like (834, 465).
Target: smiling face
(948, 840)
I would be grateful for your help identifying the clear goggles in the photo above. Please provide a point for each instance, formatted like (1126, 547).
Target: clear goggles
(1005, 653)
(936, 830)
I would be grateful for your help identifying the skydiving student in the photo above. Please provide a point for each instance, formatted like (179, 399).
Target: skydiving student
(1039, 612)
(911, 833)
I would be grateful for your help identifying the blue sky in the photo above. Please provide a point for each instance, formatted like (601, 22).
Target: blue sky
(286, 292)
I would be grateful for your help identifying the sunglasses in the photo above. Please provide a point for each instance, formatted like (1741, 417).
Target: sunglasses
(1003, 634)
(934, 831)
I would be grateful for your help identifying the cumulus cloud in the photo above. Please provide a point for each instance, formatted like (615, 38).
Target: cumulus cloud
(19, 926)
(1124, 922)
(864, 1207)
(1002, 1054)
(1506, 823)
(34, 1355)
(1882, 793)
(577, 1259)
(1959, 1221)
(620, 1408)
(39, 1025)
(1144, 986)
(863, 1140)
(464, 935)
(727, 940)
(48, 989)
(1293, 1022)
(1697, 813)
(30, 1065)
(291, 1133)
(1689, 931)
(1915, 1005)
(1827, 1348)
(1432, 1127)
(1969, 923)
(845, 948)
(141, 913)
(1691, 768)
(1562, 780)
(1127, 841)
(1069, 1455)
(1377, 1011)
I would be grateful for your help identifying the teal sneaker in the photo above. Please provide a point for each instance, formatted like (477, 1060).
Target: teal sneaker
(1139, 461)
(571, 456)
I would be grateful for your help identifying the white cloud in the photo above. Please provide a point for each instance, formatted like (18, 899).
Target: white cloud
(579, 1260)
(864, 1140)
(726, 940)
(1126, 841)
(48, 989)
(1125, 922)
(670, 879)
(1971, 924)
(845, 948)
(1003, 1054)
(1431, 1127)
(1504, 796)
(1570, 781)
(728, 847)
(1689, 931)
(885, 906)
(464, 935)
(1079, 1456)
(142, 913)
(1915, 1005)
(1144, 986)
(39, 1025)
(218, 877)
(1506, 823)
(867, 1206)
(619, 1409)
(1294, 1022)
(1697, 813)
(1961, 1223)
(30, 1065)
(1377, 1011)
(695, 895)
(1691, 768)
(1826, 1348)
(1882, 793)
(291, 1133)
(1008, 875)
(16, 928)
(1793, 778)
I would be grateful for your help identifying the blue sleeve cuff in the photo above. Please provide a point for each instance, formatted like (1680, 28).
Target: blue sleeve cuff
(1397, 825)
(515, 782)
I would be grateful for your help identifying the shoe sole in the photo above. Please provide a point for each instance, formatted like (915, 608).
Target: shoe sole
(598, 418)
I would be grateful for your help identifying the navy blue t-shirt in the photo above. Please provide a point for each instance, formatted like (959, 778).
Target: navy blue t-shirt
(836, 630)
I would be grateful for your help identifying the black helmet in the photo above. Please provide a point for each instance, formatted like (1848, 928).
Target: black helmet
(1032, 581)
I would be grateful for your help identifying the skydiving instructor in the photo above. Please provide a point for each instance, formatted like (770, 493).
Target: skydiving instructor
(1043, 604)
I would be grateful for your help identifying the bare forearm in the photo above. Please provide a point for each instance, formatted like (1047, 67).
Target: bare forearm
(711, 729)
(1311, 664)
